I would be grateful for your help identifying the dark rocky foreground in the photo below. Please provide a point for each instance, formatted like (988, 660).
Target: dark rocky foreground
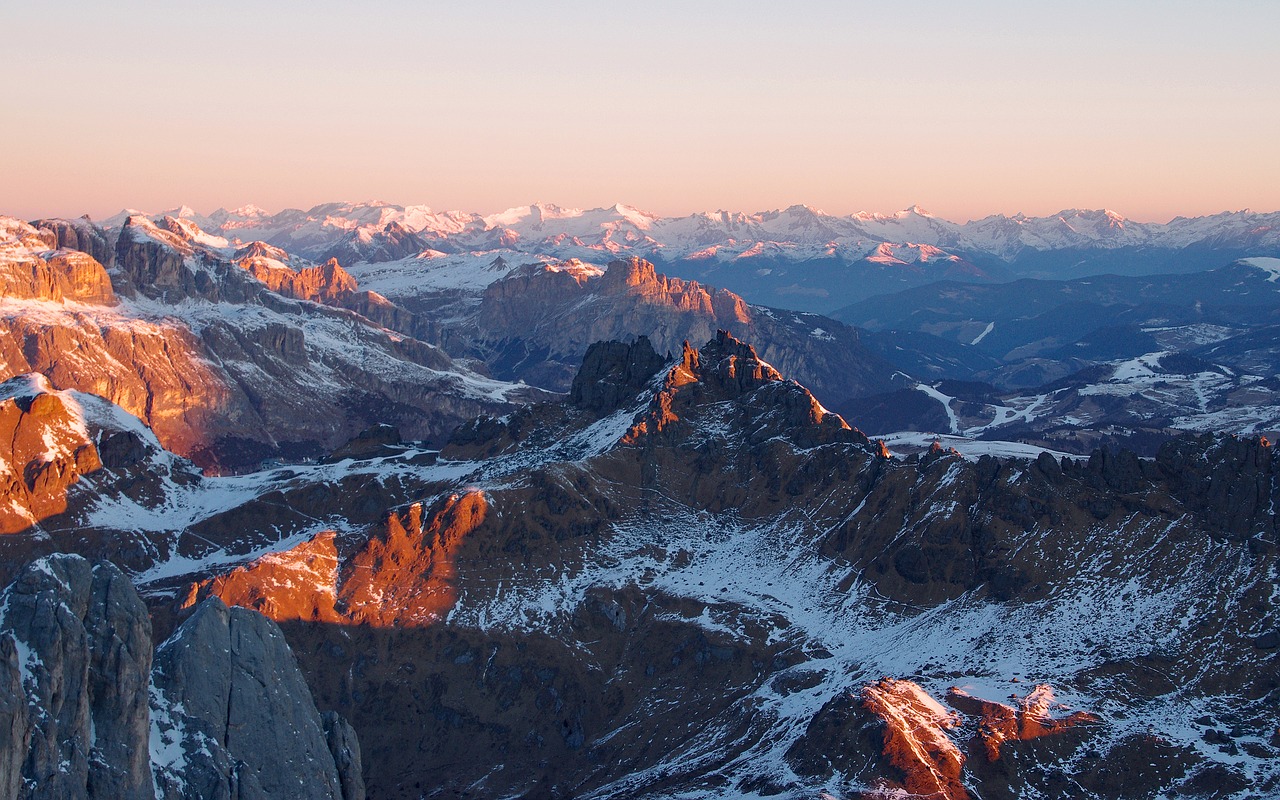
(692, 580)
(220, 710)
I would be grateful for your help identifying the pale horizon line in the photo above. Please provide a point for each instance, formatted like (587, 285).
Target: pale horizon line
(428, 208)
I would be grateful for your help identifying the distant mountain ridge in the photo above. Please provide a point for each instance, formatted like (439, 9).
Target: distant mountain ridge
(757, 254)
(716, 234)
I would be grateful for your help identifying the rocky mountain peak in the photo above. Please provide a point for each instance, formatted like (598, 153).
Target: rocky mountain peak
(44, 449)
(629, 272)
(259, 249)
(613, 373)
(727, 369)
(140, 230)
(734, 363)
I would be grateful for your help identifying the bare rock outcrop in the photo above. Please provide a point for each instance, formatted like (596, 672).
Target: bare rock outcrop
(83, 235)
(544, 315)
(1031, 717)
(60, 275)
(44, 449)
(224, 714)
(81, 639)
(613, 373)
(231, 683)
(726, 369)
(403, 577)
(46, 263)
(916, 740)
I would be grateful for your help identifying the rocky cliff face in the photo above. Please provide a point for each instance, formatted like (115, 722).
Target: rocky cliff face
(44, 263)
(80, 645)
(404, 578)
(44, 449)
(227, 371)
(555, 312)
(82, 235)
(224, 713)
(233, 695)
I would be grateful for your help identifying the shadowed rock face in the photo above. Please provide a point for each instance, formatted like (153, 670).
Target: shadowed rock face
(224, 714)
(81, 639)
(238, 685)
(613, 373)
(82, 235)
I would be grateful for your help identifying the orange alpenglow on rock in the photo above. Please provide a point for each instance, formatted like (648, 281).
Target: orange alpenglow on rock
(327, 283)
(1031, 719)
(724, 369)
(44, 449)
(409, 578)
(405, 578)
(916, 740)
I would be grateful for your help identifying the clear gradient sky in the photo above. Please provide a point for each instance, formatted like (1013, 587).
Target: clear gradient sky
(969, 108)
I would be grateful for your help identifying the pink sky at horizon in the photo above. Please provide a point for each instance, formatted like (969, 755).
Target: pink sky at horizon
(1153, 110)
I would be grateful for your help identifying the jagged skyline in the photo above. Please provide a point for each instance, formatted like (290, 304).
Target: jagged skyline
(970, 111)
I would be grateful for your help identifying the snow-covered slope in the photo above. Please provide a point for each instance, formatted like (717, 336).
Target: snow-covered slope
(691, 580)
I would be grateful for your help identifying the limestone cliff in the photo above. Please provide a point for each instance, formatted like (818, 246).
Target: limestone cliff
(44, 449)
(543, 315)
(224, 713)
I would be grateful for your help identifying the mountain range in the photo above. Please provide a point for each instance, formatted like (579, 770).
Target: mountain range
(798, 257)
(375, 501)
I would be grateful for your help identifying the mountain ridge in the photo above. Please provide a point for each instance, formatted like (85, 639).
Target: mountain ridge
(758, 254)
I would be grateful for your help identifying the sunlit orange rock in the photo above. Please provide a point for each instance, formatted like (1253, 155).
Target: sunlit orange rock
(916, 740)
(409, 578)
(404, 578)
(44, 449)
(661, 414)
(57, 276)
(295, 584)
(1031, 719)
(327, 283)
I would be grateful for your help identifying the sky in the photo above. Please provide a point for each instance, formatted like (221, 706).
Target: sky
(1152, 109)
